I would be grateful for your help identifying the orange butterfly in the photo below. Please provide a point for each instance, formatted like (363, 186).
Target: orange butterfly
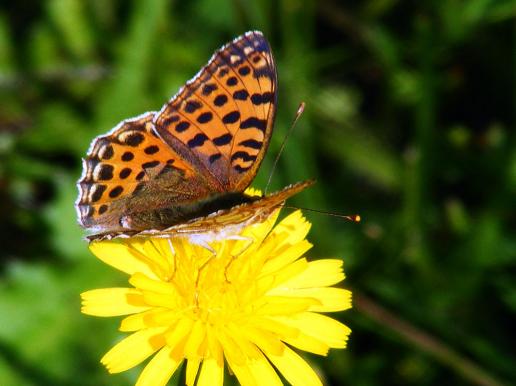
(182, 171)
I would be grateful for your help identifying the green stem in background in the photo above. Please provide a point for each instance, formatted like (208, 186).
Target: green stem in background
(418, 156)
(424, 341)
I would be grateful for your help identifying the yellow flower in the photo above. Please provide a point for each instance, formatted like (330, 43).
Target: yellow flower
(247, 302)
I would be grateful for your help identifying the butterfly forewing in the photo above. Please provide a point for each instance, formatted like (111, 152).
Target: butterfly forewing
(184, 170)
(222, 119)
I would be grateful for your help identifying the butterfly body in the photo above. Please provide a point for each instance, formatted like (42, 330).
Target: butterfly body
(160, 218)
(183, 170)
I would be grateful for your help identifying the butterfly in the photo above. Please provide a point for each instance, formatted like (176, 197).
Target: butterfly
(183, 171)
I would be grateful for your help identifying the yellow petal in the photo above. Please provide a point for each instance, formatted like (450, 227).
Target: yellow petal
(309, 344)
(267, 341)
(276, 327)
(212, 374)
(254, 192)
(192, 366)
(319, 273)
(133, 350)
(295, 226)
(214, 347)
(159, 370)
(113, 302)
(283, 276)
(143, 282)
(263, 373)
(289, 255)
(160, 252)
(159, 299)
(142, 320)
(232, 350)
(166, 317)
(332, 299)
(249, 348)
(285, 305)
(295, 369)
(321, 327)
(243, 373)
(195, 339)
(179, 332)
(156, 253)
(117, 255)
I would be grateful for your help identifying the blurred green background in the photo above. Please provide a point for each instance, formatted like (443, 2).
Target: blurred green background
(409, 122)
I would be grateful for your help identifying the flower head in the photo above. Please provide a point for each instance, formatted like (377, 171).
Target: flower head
(247, 301)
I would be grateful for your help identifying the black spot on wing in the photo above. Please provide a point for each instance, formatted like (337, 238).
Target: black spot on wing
(182, 126)
(106, 172)
(208, 89)
(214, 157)
(127, 156)
(241, 95)
(264, 72)
(251, 143)
(254, 122)
(124, 173)
(232, 81)
(169, 120)
(153, 149)
(224, 139)
(198, 140)
(98, 191)
(116, 191)
(150, 164)
(192, 106)
(244, 70)
(241, 169)
(259, 99)
(243, 155)
(220, 100)
(134, 139)
(205, 117)
(107, 152)
(140, 175)
(231, 117)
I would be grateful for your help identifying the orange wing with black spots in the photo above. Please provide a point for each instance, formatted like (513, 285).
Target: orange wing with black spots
(184, 170)
(131, 170)
(221, 120)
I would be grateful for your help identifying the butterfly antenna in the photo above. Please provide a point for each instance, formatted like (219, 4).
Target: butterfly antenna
(352, 217)
(300, 110)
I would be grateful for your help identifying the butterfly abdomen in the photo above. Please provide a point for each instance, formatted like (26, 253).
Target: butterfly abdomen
(162, 218)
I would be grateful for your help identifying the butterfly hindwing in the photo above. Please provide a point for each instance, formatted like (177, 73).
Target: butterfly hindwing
(125, 170)
(222, 119)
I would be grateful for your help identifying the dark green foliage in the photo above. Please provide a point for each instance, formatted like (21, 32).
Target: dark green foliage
(409, 122)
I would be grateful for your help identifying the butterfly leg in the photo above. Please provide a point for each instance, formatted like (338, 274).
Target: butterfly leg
(213, 252)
